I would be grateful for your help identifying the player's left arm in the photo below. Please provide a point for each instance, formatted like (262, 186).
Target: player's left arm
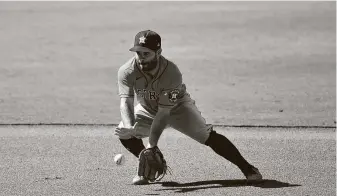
(168, 98)
(158, 125)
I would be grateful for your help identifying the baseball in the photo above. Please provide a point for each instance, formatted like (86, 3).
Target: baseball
(119, 159)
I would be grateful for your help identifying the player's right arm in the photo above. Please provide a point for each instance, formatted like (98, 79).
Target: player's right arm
(126, 93)
(127, 111)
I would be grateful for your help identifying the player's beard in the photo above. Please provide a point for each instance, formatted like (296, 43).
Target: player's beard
(148, 66)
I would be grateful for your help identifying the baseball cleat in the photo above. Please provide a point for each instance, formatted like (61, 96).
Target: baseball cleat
(139, 180)
(254, 175)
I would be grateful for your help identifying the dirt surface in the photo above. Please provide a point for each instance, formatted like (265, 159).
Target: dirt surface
(251, 63)
(79, 161)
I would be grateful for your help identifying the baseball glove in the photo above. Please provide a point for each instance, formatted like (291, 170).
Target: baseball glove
(152, 165)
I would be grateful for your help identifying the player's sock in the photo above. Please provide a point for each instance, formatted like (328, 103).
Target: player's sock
(133, 145)
(225, 148)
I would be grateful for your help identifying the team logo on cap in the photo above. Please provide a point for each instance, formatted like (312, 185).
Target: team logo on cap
(173, 95)
(142, 40)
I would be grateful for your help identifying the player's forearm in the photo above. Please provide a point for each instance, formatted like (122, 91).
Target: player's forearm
(158, 125)
(127, 113)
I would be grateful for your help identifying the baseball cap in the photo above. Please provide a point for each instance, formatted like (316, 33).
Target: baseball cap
(146, 40)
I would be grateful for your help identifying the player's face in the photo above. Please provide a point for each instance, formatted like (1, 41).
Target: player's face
(147, 60)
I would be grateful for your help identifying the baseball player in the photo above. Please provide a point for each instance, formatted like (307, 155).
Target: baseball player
(162, 101)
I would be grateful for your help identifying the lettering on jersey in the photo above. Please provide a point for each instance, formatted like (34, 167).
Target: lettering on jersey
(141, 92)
(147, 94)
(152, 95)
(173, 95)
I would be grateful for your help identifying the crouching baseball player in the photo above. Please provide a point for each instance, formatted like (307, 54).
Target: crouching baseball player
(162, 101)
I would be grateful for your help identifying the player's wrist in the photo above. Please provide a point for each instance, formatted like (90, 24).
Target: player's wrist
(149, 145)
(129, 125)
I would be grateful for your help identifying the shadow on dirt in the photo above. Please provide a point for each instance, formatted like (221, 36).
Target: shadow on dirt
(193, 186)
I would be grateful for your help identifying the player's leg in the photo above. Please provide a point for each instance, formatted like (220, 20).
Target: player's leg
(188, 120)
(134, 143)
(225, 148)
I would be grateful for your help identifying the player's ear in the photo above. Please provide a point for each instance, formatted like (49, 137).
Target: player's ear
(159, 51)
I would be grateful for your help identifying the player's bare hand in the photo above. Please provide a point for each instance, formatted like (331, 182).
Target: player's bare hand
(125, 133)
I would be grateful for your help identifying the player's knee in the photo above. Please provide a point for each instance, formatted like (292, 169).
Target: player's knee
(144, 120)
(211, 138)
(214, 139)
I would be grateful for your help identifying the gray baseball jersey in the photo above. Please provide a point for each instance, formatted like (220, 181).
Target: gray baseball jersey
(164, 89)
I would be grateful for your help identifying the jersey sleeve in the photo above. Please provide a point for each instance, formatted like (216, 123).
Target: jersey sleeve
(125, 83)
(173, 89)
